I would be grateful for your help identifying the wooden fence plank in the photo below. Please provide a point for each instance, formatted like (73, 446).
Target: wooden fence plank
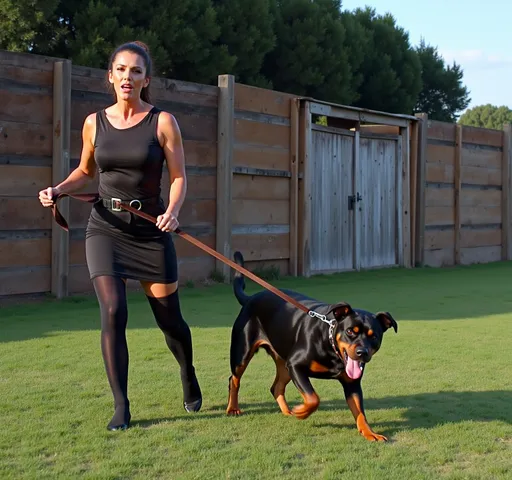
(225, 134)
(471, 237)
(26, 252)
(248, 212)
(483, 136)
(421, 186)
(263, 247)
(23, 213)
(294, 185)
(60, 170)
(260, 188)
(25, 139)
(456, 190)
(261, 156)
(25, 280)
(439, 172)
(481, 176)
(21, 180)
(506, 190)
(254, 133)
(27, 108)
(480, 255)
(260, 100)
(406, 197)
(440, 154)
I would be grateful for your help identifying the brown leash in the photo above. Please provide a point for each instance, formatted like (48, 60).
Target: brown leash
(94, 197)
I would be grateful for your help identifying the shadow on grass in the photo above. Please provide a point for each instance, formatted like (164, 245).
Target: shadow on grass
(420, 411)
(463, 292)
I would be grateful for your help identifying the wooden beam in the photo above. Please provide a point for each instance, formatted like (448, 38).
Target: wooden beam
(357, 189)
(304, 229)
(399, 187)
(506, 192)
(406, 197)
(60, 170)
(225, 142)
(457, 190)
(357, 115)
(420, 188)
(413, 149)
(294, 184)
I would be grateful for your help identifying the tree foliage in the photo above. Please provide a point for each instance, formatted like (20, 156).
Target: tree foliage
(304, 47)
(391, 69)
(487, 116)
(310, 57)
(443, 95)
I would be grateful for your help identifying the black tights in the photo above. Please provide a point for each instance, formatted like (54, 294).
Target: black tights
(111, 293)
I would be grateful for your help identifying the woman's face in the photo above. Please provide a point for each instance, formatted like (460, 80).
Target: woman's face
(128, 75)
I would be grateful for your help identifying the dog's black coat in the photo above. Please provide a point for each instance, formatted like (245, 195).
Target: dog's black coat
(302, 349)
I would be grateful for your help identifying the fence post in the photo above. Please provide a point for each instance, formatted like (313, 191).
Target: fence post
(413, 182)
(457, 184)
(420, 188)
(225, 141)
(294, 184)
(60, 170)
(506, 211)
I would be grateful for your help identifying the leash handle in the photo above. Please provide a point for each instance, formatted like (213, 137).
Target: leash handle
(94, 197)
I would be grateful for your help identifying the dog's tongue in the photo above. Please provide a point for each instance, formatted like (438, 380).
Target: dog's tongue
(353, 369)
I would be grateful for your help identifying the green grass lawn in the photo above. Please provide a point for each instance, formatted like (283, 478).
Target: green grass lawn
(440, 389)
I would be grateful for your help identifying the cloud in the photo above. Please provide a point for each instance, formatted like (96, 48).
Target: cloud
(476, 58)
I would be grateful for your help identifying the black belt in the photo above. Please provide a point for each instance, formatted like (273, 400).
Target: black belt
(113, 204)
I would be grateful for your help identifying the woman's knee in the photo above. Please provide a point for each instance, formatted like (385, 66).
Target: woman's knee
(159, 290)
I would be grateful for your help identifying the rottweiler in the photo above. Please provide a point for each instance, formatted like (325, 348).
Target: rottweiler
(305, 347)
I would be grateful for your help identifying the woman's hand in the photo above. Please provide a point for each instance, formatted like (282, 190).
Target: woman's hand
(46, 196)
(167, 222)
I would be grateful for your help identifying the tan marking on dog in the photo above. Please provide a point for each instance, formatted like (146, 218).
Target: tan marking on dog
(317, 367)
(354, 403)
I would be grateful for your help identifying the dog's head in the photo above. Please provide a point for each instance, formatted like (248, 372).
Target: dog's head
(358, 335)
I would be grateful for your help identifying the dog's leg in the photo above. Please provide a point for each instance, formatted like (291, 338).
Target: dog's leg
(301, 380)
(238, 369)
(278, 387)
(354, 397)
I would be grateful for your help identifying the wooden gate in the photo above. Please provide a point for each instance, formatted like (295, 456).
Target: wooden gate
(355, 200)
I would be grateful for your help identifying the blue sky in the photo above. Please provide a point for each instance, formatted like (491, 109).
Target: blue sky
(470, 32)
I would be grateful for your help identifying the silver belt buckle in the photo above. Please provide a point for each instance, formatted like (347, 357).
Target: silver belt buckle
(137, 204)
(116, 204)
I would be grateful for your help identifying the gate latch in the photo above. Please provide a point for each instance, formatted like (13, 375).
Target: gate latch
(352, 199)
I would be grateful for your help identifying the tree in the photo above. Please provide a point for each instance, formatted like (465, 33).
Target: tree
(25, 24)
(247, 29)
(487, 116)
(443, 95)
(310, 57)
(391, 71)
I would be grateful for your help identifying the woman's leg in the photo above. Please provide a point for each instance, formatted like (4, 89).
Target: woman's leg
(165, 304)
(111, 293)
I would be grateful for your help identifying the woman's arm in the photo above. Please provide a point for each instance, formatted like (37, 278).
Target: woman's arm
(81, 175)
(172, 143)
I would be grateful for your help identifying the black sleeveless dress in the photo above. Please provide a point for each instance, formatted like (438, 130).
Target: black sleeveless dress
(130, 164)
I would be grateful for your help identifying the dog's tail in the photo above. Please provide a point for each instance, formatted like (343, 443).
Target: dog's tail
(239, 281)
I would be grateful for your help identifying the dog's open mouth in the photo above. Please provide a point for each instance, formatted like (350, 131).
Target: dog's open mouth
(353, 368)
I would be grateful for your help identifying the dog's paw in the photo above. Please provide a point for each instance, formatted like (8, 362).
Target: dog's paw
(303, 411)
(373, 437)
(234, 412)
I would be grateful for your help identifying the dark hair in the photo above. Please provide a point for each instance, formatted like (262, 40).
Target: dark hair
(141, 49)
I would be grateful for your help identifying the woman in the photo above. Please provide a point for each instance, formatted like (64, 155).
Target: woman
(128, 143)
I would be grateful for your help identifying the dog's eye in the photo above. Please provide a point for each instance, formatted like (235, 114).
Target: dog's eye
(350, 332)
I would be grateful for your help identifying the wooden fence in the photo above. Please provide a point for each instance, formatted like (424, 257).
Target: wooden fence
(465, 199)
(242, 147)
(242, 201)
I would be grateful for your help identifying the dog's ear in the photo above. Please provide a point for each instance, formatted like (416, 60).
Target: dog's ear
(387, 321)
(341, 310)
